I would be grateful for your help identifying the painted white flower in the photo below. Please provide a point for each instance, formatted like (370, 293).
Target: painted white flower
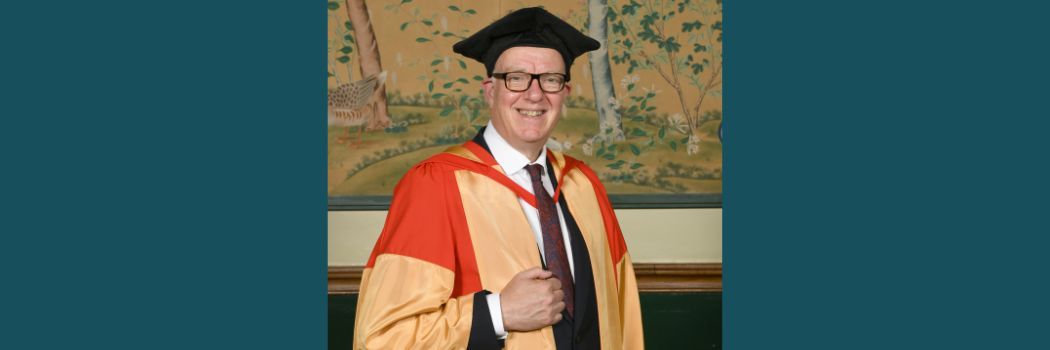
(613, 102)
(588, 148)
(677, 121)
(447, 60)
(652, 89)
(693, 146)
(628, 80)
(444, 23)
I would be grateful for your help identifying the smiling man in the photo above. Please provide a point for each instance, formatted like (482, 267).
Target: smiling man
(501, 242)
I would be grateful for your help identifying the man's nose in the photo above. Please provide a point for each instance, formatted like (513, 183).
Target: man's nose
(534, 93)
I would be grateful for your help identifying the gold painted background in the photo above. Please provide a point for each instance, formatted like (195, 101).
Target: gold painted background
(398, 94)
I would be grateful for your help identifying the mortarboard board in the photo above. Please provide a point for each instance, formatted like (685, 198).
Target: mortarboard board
(534, 27)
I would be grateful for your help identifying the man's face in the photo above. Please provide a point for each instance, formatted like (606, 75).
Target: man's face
(525, 119)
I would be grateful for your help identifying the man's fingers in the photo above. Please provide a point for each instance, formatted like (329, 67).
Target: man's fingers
(536, 273)
(559, 295)
(559, 306)
(555, 283)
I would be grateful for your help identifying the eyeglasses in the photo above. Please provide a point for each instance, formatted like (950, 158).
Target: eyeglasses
(520, 81)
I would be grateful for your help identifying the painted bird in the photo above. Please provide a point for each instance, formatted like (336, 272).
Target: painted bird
(352, 104)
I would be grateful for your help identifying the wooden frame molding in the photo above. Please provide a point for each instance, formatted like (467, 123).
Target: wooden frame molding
(344, 279)
(652, 277)
(672, 277)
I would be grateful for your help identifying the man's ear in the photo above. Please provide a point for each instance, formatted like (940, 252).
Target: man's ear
(489, 93)
(568, 89)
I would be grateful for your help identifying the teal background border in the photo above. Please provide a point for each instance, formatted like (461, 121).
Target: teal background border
(163, 179)
(884, 165)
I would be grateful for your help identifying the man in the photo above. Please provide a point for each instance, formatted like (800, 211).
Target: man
(501, 242)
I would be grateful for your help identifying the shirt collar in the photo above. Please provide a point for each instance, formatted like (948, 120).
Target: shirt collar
(509, 158)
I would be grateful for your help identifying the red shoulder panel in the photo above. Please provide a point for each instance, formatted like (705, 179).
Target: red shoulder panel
(426, 222)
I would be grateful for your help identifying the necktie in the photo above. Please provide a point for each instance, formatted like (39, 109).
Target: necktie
(553, 244)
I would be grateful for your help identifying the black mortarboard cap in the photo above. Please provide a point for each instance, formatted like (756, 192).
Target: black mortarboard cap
(531, 26)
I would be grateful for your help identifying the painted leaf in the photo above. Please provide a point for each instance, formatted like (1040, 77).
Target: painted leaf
(445, 112)
(436, 62)
(332, 5)
(422, 40)
(453, 8)
(635, 149)
(636, 166)
(343, 59)
(690, 26)
(627, 10)
(671, 45)
(403, 26)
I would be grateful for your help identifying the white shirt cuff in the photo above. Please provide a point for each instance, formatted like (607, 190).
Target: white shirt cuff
(496, 311)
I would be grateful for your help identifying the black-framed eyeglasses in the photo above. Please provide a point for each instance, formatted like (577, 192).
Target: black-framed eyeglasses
(521, 81)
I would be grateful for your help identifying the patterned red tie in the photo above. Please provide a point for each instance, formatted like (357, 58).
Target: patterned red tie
(553, 244)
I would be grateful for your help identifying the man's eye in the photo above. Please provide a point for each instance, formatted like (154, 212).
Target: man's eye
(516, 78)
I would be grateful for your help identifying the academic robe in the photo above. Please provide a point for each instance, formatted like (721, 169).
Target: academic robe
(456, 232)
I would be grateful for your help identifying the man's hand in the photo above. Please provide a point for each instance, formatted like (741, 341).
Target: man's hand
(531, 300)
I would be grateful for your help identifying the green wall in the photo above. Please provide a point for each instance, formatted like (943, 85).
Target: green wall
(671, 320)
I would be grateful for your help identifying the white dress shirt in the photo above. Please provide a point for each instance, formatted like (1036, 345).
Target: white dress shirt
(513, 164)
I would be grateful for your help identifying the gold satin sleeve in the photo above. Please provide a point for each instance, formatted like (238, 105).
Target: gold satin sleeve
(405, 303)
(630, 307)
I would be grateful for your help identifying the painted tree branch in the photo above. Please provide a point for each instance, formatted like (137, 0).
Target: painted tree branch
(368, 51)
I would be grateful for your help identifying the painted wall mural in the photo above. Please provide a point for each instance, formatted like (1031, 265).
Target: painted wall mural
(645, 110)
